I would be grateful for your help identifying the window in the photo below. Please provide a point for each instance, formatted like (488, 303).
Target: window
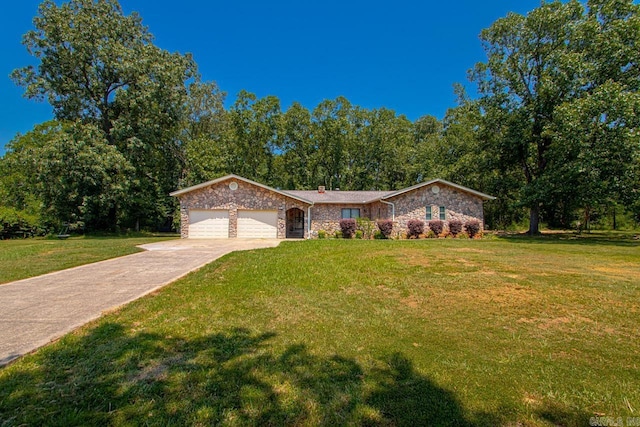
(443, 213)
(350, 213)
(428, 215)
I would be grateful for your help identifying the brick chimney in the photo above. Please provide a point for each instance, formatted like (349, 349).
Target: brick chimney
(321, 189)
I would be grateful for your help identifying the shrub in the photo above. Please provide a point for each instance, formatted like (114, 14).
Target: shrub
(473, 228)
(17, 223)
(337, 234)
(455, 227)
(359, 234)
(415, 228)
(436, 226)
(322, 234)
(378, 235)
(348, 227)
(431, 235)
(366, 226)
(386, 227)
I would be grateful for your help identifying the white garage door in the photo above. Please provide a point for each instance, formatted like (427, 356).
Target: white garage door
(258, 224)
(208, 224)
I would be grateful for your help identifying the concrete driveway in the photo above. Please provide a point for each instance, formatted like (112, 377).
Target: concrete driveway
(35, 311)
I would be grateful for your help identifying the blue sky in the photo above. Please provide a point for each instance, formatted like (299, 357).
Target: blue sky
(402, 55)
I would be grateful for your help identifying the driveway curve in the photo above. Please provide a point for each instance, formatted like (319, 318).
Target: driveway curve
(38, 310)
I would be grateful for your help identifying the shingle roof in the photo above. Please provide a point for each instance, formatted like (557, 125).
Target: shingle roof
(332, 196)
(339, 197)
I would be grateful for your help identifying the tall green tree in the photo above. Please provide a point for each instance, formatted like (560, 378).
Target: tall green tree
(599, 130)
(333, 132)
(100, 67)
(530, 70)
(559, 92)
(466, 153)
(255, 127)
(299, 168)
(19, 185)
(381, 151)
(207, 135)
(71, 170)
(421, 165)
(600, 150)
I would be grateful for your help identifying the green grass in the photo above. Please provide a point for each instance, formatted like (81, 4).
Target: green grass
(22, 258)
(503, 331)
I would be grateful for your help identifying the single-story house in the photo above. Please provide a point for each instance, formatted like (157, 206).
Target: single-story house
(233, 206)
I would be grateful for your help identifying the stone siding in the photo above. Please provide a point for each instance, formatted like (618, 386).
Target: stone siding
(246, 196)
(413, 204)
(458, 205)
(327, 216)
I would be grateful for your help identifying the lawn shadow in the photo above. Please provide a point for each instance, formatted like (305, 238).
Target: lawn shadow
(404, 397)
(115, 376)
(558, 415)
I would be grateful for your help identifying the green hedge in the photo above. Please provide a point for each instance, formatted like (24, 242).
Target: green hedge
(17, 223)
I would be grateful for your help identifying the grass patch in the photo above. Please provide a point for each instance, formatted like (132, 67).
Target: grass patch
(506, 331)
(23, 258)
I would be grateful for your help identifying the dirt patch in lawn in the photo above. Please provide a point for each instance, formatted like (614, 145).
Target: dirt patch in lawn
(434, 300)
(567, 324)
(468, 250)
(413, 301)
(620, 271)
(415, 259)
(505, 295)
(487, 272)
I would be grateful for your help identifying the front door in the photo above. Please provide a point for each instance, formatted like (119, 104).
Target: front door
(295, 223)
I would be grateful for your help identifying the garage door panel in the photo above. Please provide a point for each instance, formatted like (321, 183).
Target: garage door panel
(257, 224)
(208, 224)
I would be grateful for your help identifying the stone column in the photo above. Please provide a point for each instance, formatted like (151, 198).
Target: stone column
(233, 222)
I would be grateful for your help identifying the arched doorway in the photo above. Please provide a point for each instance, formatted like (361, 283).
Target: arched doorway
(295, 223)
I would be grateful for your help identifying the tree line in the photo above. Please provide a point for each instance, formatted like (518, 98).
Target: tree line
(553, 132)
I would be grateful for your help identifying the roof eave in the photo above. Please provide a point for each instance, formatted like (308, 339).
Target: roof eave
(346, 202)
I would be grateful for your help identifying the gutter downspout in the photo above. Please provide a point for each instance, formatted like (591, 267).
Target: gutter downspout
(309, 221)
(393, 209)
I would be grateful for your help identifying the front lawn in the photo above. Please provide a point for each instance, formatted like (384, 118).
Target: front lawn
(511, 331)
(22, 258)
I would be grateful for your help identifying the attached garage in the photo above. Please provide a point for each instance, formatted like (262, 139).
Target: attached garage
(257, 224)
(236, 207)
(208, 224)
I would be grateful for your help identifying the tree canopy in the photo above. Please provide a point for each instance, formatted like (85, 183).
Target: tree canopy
(559, 84)
(554, 129)
(99, 68)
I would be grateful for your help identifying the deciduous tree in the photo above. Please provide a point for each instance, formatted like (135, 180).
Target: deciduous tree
(530, 71)
(100, 67)
(72, 170)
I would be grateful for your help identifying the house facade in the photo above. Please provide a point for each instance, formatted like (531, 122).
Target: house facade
(236, 207)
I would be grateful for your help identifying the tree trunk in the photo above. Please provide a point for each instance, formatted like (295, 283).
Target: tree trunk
(534, 221)
(587, 219)
(112, 219)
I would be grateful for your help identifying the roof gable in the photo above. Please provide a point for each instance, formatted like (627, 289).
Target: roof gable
(483, 196)
(239, 178)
